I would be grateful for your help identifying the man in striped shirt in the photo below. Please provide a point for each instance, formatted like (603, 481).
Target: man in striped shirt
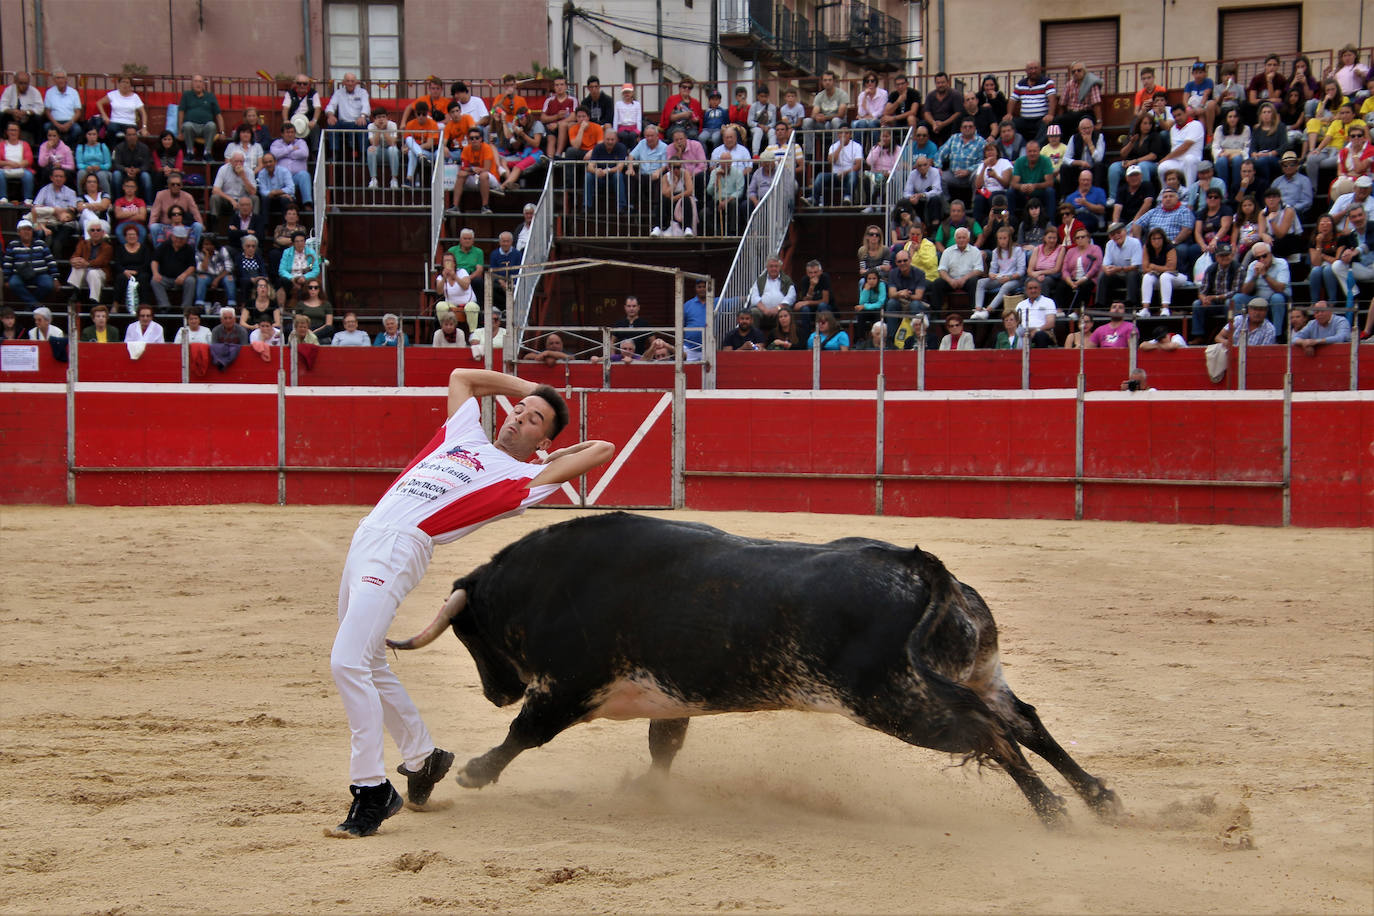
(1032, 102)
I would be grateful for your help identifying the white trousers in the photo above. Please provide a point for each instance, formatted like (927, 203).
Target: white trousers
(93, 278)
(384, 563)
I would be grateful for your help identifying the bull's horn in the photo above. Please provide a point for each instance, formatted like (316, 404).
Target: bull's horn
(452, 606)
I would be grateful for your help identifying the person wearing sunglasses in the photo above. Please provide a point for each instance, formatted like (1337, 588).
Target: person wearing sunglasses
(301, 100)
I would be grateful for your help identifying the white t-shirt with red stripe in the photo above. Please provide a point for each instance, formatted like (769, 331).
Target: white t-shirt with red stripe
(459, 482)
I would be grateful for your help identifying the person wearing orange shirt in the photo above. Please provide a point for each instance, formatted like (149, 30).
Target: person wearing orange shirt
(584, 135)
(478, 169)
(434, 101)
(421, 140)
(456, 127)
(505, 105)
(1144, 96)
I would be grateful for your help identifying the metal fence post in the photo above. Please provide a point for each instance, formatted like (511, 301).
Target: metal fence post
(1025, 362)
(281, 429)
(1078, 418)
(879, 435)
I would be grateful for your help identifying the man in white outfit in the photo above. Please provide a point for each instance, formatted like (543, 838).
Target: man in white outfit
(459, 482)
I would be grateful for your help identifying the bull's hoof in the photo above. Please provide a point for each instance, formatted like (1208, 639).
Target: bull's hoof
(474, 775)
(1106, 804)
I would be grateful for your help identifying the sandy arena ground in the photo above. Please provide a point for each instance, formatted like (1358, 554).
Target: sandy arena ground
(171, 740)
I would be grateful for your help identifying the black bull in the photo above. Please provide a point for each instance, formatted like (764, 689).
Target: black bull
(622, 616)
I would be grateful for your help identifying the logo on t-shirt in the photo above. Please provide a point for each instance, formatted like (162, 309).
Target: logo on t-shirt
(464, 457)
(373, 580)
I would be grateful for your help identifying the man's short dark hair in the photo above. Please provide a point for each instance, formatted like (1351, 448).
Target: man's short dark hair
(560, 408)
(458, 87)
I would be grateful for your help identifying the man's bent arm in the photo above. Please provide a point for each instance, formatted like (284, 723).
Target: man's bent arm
(574, 461)
(477, 383)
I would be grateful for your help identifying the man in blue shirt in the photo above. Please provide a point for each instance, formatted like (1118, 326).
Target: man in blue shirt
(1326, 327)
(1089, 203)
(504, 262)
(694, 314)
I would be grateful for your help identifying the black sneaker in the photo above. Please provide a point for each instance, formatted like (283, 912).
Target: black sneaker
(419, 785)
(371, 806)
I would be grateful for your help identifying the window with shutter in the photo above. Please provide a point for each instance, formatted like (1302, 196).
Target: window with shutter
(363, 38)
(1092, 41)
(1248, 35)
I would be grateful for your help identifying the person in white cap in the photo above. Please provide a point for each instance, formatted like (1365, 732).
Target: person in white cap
(629, 116)
(30, 271)
(1358, 199)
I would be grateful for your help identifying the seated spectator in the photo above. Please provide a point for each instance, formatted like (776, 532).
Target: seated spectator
(9, 327)
(100, 330)
(604, 186)
(132, 267)
(870, 107)
(54, 212)
(350, 336)
(246, 223)
(130, 210)
(1354, 161)
(1143, 149)
(772, 291)
(713, 120)
(629, 116)
(1356, 261)
(382, 138)
(958, 219)
(253, 121)
(262, 305)
(1010, 337)
(760, 181)
(447, 334)
(267, 335)
(293, 155)
(903, 107)
(454, 286)
(472, 259)
(214, 270)
(999, 216)
(679, 203)
(167, 158)
(275, 186)
(649, 160)
(30, 270)
(1199, 96)
(243, 142)
(1006, 274)
(176, 217)
(1078, 339)
(1137, 198)
(1032, 176)
(828, 334)
(1326, 327)
(1267, 278)
(1350, 75)
(922, 145)
(959, 157)
(829, 108)
(1045, 262)
(1117, 332)
(1293, 185)
(1089, 203)
(925, 257)
(907, 292)
(923, 195)
(1186, 145)
(1250, 184)
(983, 124)
(229, 331)
(316, 310)
(813, 295)
(347, 115)
(1163, 340)
(91, 261)
(872, 299)
(174, 197)
(302, 108)
(301, 333)
(233, 181)
(1082, 265)
(1121, 266)
(53, 153)
(299, 265)
(249, 265)
(62, 109)
(873, 254)
(1178, 225)
(201, 119)
(725, 187)
(600, 105)
(1087, 152)
(1010, 144)
(391, 334)
(1160, 260)
(1248, 227)
(43, 328)
(1269, 84)
(477, 337)
(93, 205)
(784, 335)
(1069, 224)
(1213, 225)
(876, 339)
(630, 328)
(991, 178)
(1195, 196)
(583, 136)
(1037, 316)
(517, 150)
(682, 110)
(526, 227)
(1343, 208)
(956, 338)
(174, 268)
(1252, 327)
(881, 160)
(1054, 149)
(1033, 98)
(961, 265)
(1325, 251)
(1031, 232)
(1268, 140)
(1230, 147)
(505, 262)
(145, 329)
(93, 158)
(122, 108)
(745, 336)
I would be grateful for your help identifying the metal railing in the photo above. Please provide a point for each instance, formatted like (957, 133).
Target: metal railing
(353, 170)
(537, 249)
(436, 202)
(763, 236)
(621, 205)
(896, 182)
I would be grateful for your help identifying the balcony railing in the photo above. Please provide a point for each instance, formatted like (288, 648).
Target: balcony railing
(775, 33)
(864, 34)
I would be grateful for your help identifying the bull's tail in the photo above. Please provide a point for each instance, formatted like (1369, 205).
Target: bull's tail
(961, 723)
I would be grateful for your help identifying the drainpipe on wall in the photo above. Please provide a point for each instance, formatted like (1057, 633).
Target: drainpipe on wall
(305, 36)
(940, 24)
(38, 35)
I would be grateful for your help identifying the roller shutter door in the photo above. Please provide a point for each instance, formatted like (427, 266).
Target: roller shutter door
(1093, 41)
(1255, 33)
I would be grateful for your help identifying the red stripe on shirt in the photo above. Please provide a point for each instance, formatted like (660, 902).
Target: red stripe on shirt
(482, 506)
(430, 446)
